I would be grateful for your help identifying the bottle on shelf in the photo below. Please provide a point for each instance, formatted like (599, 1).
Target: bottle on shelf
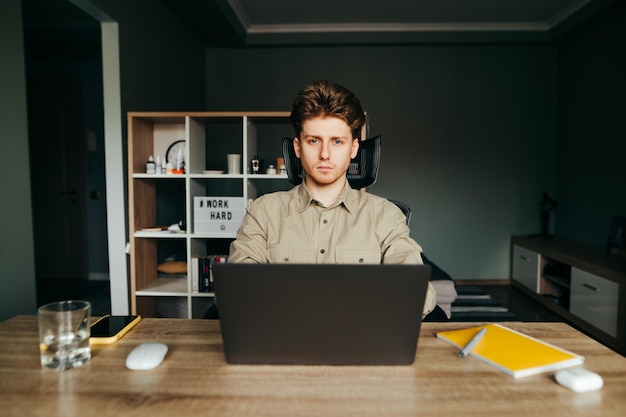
(150, 166)
(180, 163)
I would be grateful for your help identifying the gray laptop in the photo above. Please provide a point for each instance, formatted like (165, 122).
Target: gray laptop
(320, 314)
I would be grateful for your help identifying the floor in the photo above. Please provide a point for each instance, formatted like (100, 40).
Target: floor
(98, 293)
(519, 303)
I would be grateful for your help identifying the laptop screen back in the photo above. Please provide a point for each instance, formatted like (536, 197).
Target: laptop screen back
(320, 313)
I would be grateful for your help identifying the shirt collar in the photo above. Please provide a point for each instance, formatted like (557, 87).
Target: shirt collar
(348, 197)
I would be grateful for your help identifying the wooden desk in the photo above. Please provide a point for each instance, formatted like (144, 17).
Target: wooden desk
(194, 380)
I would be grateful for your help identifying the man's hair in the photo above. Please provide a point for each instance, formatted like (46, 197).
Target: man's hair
(322, 98)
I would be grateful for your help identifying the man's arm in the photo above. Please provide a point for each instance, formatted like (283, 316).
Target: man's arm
(250, 245)
(400, 248)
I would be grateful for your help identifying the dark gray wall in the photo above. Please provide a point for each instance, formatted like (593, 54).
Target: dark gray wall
(591, 175)
(469, 132)
(161, 63)
(17, 266)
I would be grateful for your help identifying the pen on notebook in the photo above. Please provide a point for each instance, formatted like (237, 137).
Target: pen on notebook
(472, 343)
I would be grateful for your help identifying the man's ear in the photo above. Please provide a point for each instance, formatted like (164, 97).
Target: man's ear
(296, 147)
(355, 148)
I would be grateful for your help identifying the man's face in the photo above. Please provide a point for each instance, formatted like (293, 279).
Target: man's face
(325, 148)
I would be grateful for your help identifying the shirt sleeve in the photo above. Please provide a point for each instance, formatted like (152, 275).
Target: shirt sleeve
(250, 245)
(400, 248)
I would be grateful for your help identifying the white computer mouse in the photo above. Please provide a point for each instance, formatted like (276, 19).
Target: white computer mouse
(579, 379)
(146, 356)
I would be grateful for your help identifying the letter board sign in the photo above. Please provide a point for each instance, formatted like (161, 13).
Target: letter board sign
(217, 216)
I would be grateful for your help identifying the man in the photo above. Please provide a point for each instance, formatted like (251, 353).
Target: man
(323, 220)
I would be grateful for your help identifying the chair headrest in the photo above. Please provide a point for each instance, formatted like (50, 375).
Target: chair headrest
(363, 170)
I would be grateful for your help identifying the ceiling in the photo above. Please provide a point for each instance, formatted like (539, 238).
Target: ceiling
(253, 23)
(333, 22)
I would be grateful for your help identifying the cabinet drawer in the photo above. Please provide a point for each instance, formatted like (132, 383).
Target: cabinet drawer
(526, 267)
(594, 299)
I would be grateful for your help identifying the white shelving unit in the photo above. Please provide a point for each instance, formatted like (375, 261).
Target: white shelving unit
(164, 199)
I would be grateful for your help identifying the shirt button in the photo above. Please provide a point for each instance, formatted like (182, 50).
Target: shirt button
(322, 251)
(324, 221)
(361, 260)
(285, 259)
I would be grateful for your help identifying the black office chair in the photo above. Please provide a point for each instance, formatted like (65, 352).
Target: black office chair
(405, 209)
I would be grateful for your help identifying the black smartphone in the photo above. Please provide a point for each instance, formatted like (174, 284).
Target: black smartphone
(109, 329)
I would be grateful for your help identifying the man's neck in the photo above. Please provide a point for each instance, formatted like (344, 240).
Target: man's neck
(325, 194)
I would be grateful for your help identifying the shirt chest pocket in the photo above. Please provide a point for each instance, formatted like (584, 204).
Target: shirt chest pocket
(282, 254)
(358, 255)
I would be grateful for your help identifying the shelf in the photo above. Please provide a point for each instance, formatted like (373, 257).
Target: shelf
(268, 176)
(139, 175)
(213, 236)
(558, 280)
(165, 234)
(202, 294)
(218, 176)
(162, 199)
(165, 287)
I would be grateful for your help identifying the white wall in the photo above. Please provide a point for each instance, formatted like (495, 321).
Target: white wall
(469, 132)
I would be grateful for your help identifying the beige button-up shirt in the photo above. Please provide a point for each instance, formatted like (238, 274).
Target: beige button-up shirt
(291, 227)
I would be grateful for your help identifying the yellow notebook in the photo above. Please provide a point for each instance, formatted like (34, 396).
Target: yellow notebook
(513, 352)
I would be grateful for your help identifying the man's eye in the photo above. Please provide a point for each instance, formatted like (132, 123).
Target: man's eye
(313, 141)
(338, 141)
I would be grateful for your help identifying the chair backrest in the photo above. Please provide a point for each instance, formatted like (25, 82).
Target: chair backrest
(363, 169)
(405, 209)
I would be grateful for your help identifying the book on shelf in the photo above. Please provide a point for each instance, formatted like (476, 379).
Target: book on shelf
(202, 272)
(513, 352)
(194, 274)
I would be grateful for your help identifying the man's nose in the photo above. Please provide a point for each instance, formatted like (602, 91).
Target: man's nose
(324, 151)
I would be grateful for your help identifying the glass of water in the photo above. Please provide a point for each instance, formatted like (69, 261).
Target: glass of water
(64, 334)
